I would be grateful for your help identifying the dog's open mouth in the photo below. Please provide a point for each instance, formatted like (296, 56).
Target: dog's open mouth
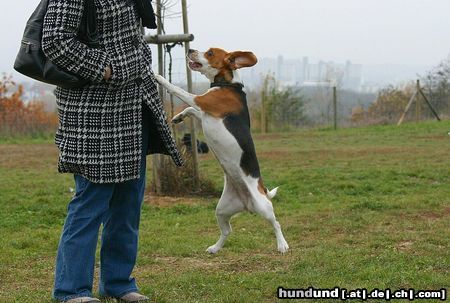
(194, 65)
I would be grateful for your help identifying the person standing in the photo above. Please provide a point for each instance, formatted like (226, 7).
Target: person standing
(106, 129)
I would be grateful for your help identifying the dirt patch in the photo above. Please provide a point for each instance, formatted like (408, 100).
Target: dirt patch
(244, 263)
(434, 215)
(280, 154)
(268, 136)
(445, 137)
(27, 155)
(367, 152)
(404, 246)
(35, 276)
(167, 201)
(277, 154)
(188, 262)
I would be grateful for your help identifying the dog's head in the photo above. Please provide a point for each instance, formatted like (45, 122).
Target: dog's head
(219, 65)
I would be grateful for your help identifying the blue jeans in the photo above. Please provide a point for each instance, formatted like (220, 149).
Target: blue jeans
(115, 205)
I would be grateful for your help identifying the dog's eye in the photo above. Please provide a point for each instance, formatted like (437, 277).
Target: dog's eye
(209, 53)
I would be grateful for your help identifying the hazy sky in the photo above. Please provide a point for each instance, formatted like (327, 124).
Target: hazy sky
(412, 32)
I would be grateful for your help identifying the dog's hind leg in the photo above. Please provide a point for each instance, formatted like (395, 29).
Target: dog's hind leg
(229, 205)
(225, 229)
(263, 206)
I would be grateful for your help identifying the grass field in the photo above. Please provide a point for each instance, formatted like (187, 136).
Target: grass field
(360, 208)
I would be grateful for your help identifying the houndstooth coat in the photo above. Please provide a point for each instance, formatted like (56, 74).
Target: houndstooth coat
(99, 136)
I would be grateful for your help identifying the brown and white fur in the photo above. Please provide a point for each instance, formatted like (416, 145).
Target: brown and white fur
(226, 124)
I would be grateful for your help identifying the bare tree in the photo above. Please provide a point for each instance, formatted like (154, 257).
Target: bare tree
(437, 85)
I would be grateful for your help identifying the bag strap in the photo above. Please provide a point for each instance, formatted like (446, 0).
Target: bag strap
(88, 33)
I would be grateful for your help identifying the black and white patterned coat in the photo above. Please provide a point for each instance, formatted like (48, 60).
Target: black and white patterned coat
(99, 136)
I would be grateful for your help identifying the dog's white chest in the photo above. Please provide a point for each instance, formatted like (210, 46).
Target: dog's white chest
(222, 142)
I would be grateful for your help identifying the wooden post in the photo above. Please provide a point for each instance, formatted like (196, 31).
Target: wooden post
(335, 107)
(407, 108)
(160, 40)
(156, 163)
(263, 105)
(160, 46)
(416, 96)
(166, 39)
(187, 46)
(418, 114)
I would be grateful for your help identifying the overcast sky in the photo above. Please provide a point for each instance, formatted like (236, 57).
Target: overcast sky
(411, 32)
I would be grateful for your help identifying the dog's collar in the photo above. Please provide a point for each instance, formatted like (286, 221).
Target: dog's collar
(227, 84)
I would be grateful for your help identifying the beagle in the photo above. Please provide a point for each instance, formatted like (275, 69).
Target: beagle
(225, 120)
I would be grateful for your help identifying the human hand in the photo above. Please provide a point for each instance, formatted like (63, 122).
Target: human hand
(108, 72)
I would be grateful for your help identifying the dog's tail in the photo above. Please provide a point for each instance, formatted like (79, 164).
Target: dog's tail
(272, 193)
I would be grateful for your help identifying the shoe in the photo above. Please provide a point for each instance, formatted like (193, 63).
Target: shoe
(133, 297)
(83, 300)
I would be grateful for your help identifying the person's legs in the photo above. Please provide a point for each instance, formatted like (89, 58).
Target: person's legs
(120, 239)
(76, 251)
(120, 232)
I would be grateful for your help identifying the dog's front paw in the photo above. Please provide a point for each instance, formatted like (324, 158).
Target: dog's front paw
(283, 247)
(160, 79)
(213, 249)
(177, 119)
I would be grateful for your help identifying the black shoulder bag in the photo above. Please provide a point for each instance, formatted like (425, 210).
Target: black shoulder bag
(31, 60)
(146, 12)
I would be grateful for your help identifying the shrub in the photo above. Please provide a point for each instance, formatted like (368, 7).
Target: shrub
(18, 118)
(179, 181)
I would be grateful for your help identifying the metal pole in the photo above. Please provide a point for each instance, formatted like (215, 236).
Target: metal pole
(187, 46)
(156, 163)
(418, 114)
(335, 106)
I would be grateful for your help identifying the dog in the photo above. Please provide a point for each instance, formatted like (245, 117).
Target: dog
(225, 119)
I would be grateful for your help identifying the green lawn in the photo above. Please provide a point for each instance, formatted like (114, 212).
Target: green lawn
(363, 207)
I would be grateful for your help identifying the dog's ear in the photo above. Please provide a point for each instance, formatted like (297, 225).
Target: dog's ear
(240, 59)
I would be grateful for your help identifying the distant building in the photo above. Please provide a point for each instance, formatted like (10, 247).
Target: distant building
(352, 76)
(305, 70)
(302, 72)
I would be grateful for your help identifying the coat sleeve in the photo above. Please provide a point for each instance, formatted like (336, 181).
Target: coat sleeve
(61, 45)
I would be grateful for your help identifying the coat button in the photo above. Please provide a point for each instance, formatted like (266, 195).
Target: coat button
(138, 81)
